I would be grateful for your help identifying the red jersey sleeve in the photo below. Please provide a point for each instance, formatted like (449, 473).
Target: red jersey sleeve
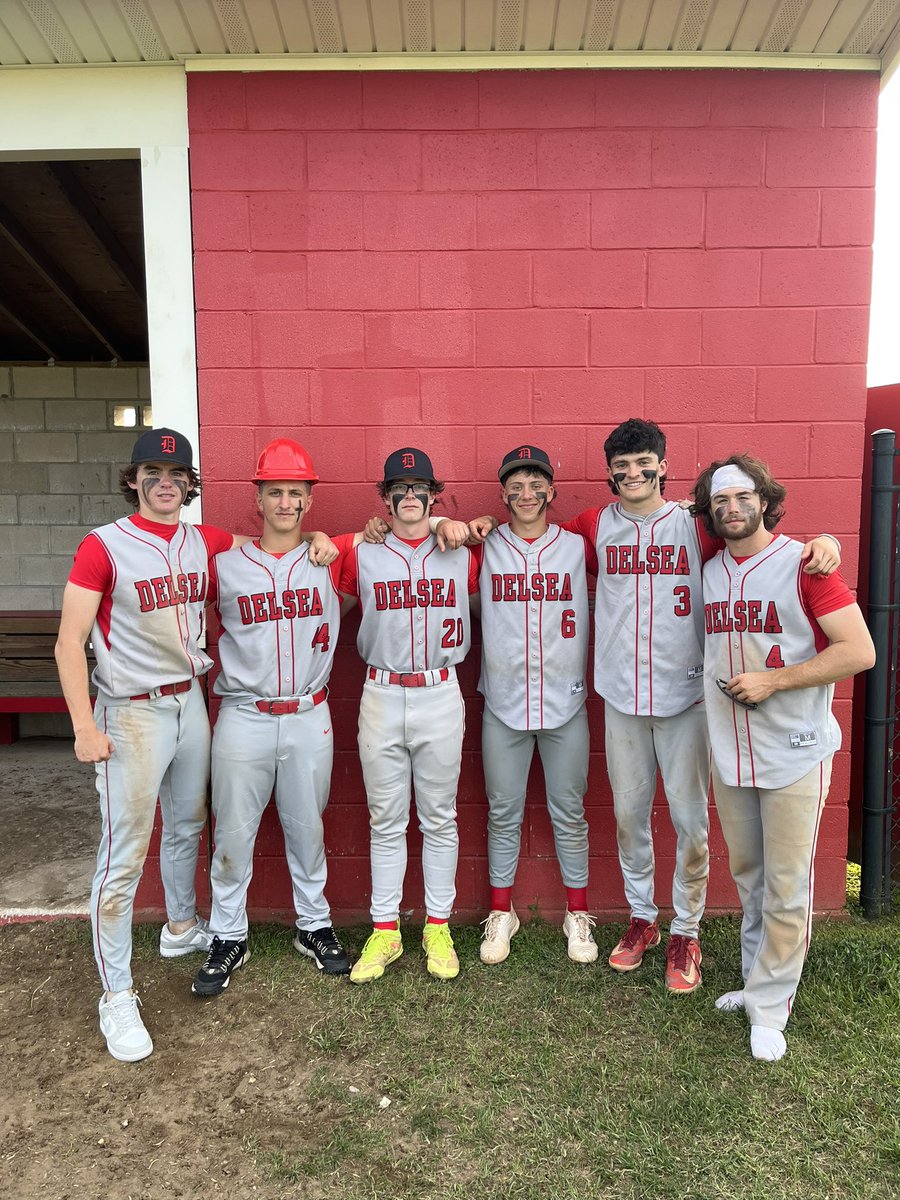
(92, 568)
(217, 540)
(824, 594)
(349, 577)
(344, 543)
(476, 555)
(586, 525)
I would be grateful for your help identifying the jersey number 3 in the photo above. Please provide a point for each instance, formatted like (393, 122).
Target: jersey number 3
(683, 596)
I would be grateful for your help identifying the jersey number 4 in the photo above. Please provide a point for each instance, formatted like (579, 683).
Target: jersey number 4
(321, 638)
(773, 658)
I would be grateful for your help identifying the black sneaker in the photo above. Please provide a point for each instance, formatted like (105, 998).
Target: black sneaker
(322, 946)
(222, 961)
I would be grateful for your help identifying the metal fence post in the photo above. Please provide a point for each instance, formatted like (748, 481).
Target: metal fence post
(874, 886)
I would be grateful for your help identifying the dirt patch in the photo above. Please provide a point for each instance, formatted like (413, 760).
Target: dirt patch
(184, 1122)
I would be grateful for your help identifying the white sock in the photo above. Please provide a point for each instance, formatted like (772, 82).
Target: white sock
(730, 1002)
(767, 1044)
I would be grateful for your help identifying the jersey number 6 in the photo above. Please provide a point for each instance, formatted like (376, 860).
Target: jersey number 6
(567, 623)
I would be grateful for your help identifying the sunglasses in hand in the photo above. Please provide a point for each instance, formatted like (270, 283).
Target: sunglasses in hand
(723, 687)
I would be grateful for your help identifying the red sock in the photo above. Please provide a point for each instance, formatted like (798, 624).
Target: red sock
(576, 898)
(437, 921)
(392, 925)
(501, 899)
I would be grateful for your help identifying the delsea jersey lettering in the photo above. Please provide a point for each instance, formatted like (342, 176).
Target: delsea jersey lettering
(283, 606)
(406, 593)
(165, 590)
(156, 612)
(657, 560)
(742, 616)
(522, 589)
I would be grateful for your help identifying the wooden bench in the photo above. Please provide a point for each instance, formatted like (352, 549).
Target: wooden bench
(29, 682)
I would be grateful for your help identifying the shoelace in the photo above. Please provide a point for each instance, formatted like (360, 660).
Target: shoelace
(125, 1010)
(221, 955)
(677, 952)
(492, 923)
(379, 941)
(325, 941)
(633, 934)
(439, 942)
(584, 923)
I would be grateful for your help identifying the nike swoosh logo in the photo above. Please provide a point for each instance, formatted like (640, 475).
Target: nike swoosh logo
(328, 730)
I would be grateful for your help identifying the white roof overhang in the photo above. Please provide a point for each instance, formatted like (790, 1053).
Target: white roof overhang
(453, 34)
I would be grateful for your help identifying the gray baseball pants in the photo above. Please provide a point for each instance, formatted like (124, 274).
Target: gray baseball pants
(771, 836)
(412, 737)
(252, 753)
(506, 755)
(161, 749)
(679, 747)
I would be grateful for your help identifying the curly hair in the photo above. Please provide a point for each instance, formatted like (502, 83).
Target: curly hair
(768, 489)
(128, 476)
(635, 436)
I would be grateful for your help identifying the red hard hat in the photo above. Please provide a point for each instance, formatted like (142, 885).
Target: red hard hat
(285, 459)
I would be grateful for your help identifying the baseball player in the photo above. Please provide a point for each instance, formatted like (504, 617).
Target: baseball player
(414, 629)
(777, 640)
(648, 667)
(535, 623)
(138, 588)
(280, 618)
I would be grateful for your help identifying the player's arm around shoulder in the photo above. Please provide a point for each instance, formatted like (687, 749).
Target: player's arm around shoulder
(79, 609)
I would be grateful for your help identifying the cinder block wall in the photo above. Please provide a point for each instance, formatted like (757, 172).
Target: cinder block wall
(59, 460)
(465, 261)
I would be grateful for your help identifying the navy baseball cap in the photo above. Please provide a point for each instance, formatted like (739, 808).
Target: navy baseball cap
(524, 457)
(163, 445)
(408, 462)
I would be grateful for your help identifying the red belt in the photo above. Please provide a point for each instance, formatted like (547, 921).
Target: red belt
(281, 708)
(408, 680)
(167, 689)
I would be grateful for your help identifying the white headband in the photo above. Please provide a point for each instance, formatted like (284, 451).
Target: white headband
(731, 476)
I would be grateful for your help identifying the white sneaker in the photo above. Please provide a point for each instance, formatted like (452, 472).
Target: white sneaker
(577, 928)
(173, 945)
(499, 927)
(121, 1025)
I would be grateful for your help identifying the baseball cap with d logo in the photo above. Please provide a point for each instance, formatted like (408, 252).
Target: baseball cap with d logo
(408, 462)
(524, 457)
(163, 445)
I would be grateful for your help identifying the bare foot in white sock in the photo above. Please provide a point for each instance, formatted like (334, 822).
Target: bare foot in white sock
(767, 1044)
(730, 1002)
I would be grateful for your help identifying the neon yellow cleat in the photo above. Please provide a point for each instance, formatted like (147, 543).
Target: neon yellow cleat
(382, 947)
(438, 946)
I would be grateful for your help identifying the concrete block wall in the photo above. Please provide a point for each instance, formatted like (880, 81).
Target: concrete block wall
(59, 461)
(466, 261)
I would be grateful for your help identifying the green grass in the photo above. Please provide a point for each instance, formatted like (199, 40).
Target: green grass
(540, 1078)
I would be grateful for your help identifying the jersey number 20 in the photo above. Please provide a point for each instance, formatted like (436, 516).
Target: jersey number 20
(454, 633)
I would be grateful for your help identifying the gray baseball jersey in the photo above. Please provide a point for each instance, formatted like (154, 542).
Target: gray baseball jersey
(415, 605)
(280, 623)
(648, 615)
(156, 612)
(756, 620)
(535, 624)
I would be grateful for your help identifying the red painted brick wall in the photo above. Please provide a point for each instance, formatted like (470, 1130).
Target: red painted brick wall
(464, 261)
